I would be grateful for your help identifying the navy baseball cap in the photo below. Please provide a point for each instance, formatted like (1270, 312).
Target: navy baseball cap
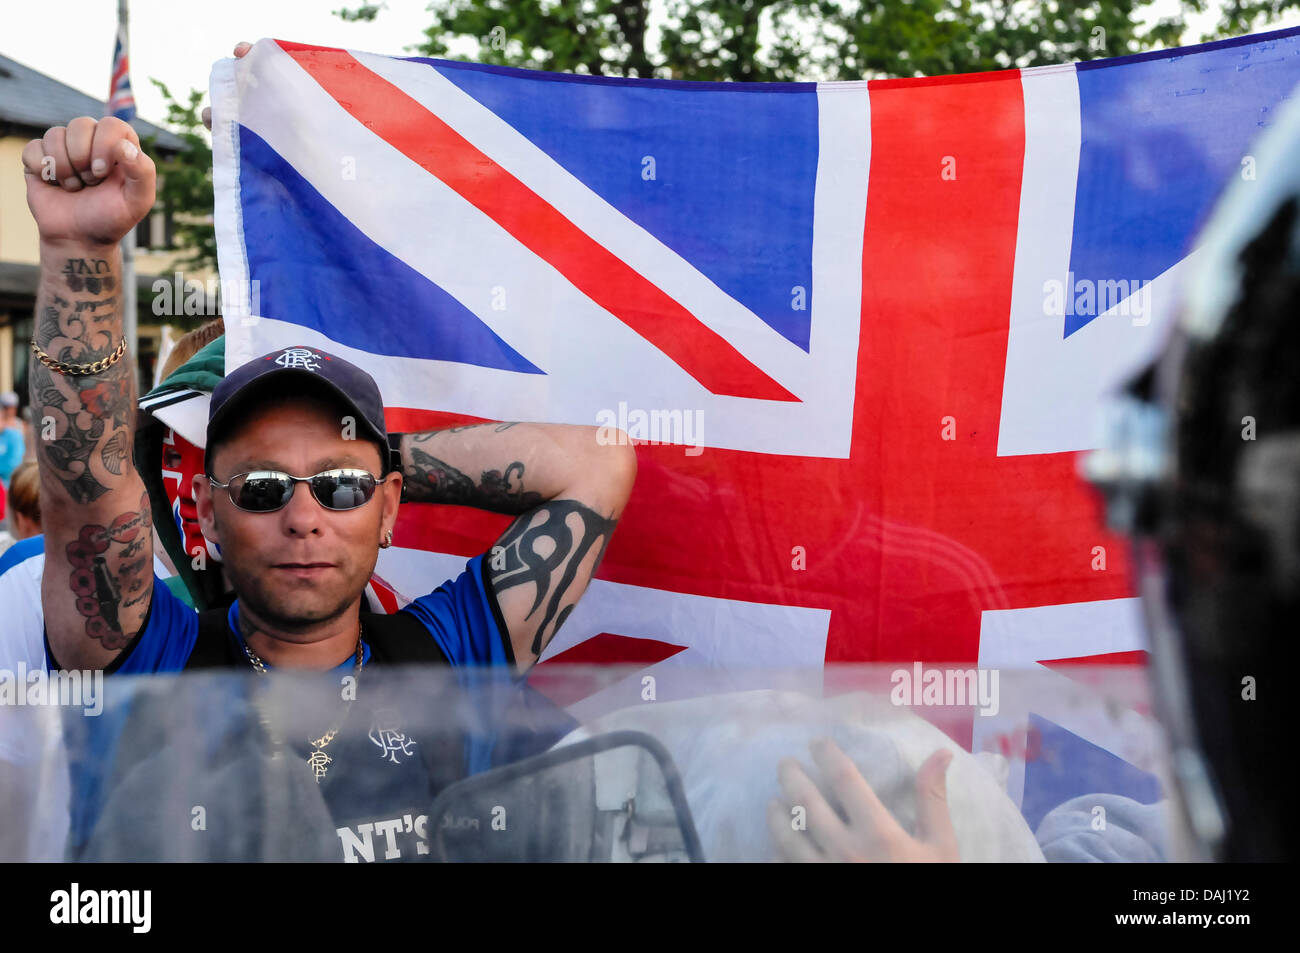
(310, 367)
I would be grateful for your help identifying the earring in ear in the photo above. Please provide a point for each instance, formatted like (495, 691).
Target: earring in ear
(388, 540)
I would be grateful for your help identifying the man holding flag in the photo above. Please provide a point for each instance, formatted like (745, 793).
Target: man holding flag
(298, 558)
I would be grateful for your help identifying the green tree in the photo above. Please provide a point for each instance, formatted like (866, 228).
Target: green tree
(185, 180)
(764, 40)
(753, 40)
(1245, 16)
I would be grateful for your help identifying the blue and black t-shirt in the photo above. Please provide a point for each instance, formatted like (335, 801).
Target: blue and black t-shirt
(461, 617)
(399, 740)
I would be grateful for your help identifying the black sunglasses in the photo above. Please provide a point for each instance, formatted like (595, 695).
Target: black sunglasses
(265, 491)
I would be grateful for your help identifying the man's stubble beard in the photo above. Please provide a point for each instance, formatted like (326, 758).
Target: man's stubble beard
(290, 614)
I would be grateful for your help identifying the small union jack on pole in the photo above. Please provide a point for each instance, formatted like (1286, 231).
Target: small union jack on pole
(121, 103)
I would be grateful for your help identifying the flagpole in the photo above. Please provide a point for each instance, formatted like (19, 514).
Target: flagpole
(128, 245)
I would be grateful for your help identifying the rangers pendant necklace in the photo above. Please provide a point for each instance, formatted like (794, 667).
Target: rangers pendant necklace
(318, 760)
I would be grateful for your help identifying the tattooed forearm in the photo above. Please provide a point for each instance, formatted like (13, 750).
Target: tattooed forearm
(497, 426)
(85, 420)
(91, 274)
(542, 564)
(94, 306)
(428, 479)
(95, 511)
(104, 575)
(545, 549)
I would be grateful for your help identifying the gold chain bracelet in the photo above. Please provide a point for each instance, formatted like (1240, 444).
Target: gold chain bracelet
(77, 370)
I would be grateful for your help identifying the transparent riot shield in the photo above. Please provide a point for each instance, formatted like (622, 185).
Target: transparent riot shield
(586, 764)
(616, 797)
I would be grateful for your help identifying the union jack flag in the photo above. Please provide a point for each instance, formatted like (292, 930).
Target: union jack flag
(890, 308)
(121, 102)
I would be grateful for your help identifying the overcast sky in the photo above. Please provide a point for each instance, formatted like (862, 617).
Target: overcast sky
(177, 41)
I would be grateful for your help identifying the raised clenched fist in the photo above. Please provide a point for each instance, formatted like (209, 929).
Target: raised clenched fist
(88, 182)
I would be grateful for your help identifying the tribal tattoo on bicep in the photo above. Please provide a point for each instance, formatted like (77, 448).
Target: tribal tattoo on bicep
(545, 548)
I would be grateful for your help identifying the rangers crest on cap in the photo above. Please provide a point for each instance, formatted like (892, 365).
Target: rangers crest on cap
(299, 357)
(336, 376)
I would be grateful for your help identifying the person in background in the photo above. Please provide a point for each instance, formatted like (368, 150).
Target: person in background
(23, 504)
(190, 344)
(29, 433)
(25, 500)
(163, 452)
(12, 445)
